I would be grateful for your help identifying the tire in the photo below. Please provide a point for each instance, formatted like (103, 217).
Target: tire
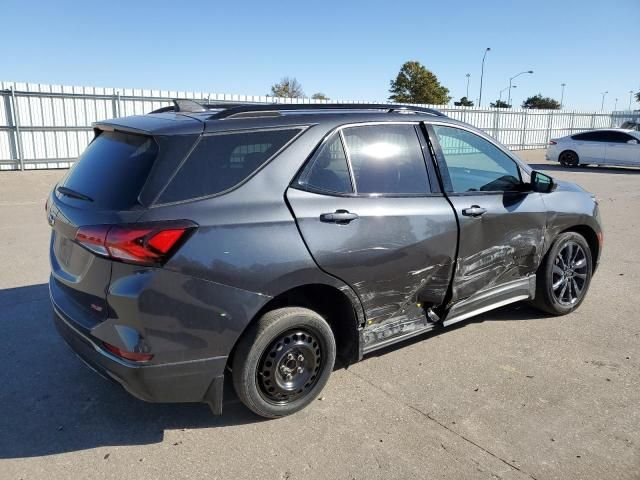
(569, 159)
(283, 361)
(562, 282)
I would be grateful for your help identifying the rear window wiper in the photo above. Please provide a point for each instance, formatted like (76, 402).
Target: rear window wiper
(72, 193)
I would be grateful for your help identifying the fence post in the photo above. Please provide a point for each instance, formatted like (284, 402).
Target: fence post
(571, 124)
(523, 134)
(593, 121)
(496, 122)
(549, 124)
(16, 128)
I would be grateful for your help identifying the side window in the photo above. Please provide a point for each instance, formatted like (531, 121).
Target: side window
(618, 137)
(328, 171)
(220, 162)
(475, 164)
(387, 159)
(584, 137)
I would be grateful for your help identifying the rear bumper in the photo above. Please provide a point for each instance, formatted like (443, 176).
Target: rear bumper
(192, 381)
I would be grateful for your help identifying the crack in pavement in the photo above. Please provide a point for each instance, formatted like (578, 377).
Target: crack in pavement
(446, 427)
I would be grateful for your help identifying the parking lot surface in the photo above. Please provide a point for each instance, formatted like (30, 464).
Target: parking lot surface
(512, 394)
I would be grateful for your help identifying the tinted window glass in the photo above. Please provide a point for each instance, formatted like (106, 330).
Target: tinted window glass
(618, 137)
(475, 164)
(591, 137)
(112, 170)
(220, 162)
(328, 170)
(387, 159)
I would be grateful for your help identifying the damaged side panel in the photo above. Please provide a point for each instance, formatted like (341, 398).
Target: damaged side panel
(398, 255)
(503, 245)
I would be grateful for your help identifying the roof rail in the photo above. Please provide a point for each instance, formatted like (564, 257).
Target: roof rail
(184, 105)
(245, 110)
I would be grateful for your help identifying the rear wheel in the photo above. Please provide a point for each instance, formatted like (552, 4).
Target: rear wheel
(283, 361)
(564, 276)
(569, 159)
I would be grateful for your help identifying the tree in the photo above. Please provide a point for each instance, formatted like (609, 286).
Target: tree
(464, 102)
(288, 87)
(416, 84)
(540, 102)
(637, 96)
(319, 96)
(500, 104)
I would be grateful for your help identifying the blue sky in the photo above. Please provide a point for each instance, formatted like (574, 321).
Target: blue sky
(346, 49)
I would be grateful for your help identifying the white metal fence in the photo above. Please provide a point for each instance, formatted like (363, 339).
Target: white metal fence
(48, 126)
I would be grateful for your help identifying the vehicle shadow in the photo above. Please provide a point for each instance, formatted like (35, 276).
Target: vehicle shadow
(554, 167)
(50, 402)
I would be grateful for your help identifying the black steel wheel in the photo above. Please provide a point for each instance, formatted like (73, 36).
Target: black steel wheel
(563, 279)
(289, 367)
(283, 361)
(569, 159)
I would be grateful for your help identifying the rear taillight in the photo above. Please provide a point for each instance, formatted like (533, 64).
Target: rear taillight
(552, 142)
(143, 244)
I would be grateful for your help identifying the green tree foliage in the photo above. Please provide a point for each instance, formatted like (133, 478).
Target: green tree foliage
(540, 102)
(463, 102)
(416, 84)
(500, 104)
(319, 96)
(288, 87)
(637, 96)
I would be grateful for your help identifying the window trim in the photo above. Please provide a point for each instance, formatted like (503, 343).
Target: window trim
(339, 130)
(301, 129)
(444, 169)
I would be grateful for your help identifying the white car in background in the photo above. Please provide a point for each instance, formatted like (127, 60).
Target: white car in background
(596, 147)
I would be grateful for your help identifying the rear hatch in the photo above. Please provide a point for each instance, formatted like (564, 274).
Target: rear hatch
(101, 189)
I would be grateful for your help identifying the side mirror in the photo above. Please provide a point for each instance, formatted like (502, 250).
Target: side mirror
(541, 183)
(632, 142)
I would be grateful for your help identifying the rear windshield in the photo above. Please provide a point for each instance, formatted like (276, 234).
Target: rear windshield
(222, 161)
(112, 170)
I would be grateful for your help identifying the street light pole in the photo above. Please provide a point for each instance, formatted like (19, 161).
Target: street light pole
(482, 76)
(615, 105)
(511, 79)
(468, 75)
(506, 88)
(630, 97)
(562, 95)
(602, 104)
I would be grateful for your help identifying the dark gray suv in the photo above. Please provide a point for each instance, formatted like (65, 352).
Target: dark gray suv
(269, 240)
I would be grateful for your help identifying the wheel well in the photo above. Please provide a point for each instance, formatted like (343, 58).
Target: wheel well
(333, 305)
(590, 236)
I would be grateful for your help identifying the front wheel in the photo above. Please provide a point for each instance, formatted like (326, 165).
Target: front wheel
(283, 361)
(564, 276)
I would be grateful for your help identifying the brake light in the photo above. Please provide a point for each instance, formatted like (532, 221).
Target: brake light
(133, 356)
(552, 142)
(142, 244)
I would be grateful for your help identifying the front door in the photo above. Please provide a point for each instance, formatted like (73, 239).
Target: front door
(501, 224)
(368, 215)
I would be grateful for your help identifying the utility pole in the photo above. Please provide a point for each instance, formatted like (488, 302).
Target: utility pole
(482, 76)
(562, 95)
(602, 104)
(468, 76)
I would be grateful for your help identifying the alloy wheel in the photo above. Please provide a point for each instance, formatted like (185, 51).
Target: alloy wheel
(569, 274)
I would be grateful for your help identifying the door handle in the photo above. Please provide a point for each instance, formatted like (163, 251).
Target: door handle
(474, 211)
(339, 216)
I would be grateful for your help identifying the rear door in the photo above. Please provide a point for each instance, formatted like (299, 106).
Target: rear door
(591, 146)
(619, 151)
(102, 188)
(368, 213)
(501, 225)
